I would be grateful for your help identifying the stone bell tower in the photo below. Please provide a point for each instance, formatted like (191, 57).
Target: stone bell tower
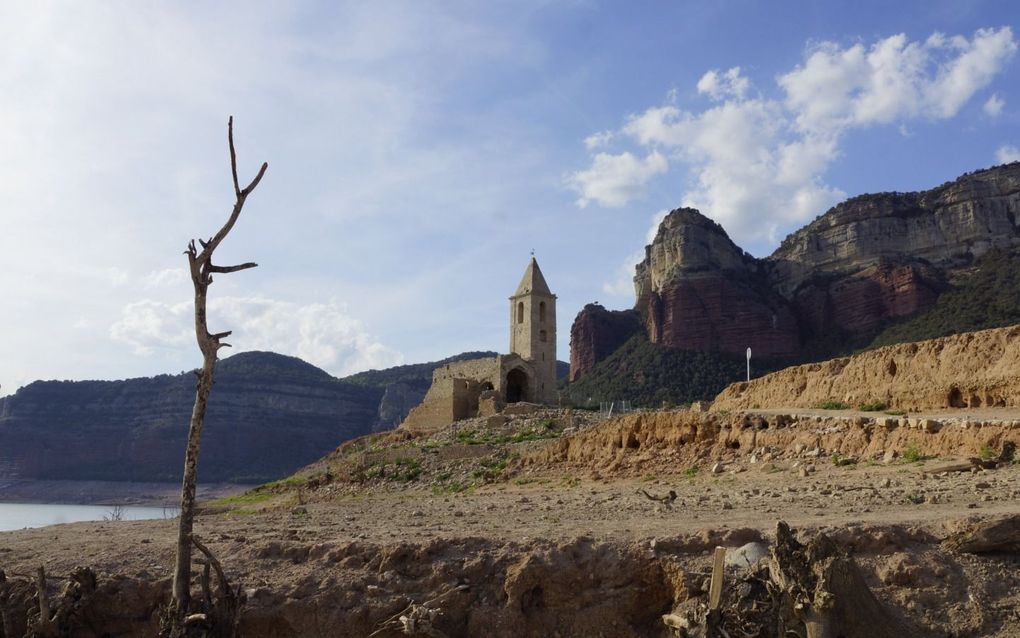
(533, 330)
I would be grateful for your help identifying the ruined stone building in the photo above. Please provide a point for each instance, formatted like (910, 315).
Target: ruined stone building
(463, 389)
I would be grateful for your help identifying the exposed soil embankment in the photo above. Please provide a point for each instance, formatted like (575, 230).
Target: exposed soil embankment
(301, 582)
(974, 369)
(671, 441)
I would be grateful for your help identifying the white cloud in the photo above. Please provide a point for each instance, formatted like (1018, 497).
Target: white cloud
(599, 140)
(979, 60)
(167, 277)
(994, 105)
(148, 326)
(756, 165)
(1007, 153)
(323, 334)
(718, 86)
(622, 282)
(895, 79)
(613, 180)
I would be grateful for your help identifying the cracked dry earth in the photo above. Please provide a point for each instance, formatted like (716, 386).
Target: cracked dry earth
(565, 540)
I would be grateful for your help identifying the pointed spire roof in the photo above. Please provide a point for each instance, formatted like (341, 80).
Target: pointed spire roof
(533, 282)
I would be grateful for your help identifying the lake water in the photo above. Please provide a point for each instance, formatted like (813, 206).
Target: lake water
(21, 515)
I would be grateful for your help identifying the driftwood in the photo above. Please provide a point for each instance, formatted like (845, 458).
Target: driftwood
(418, 619)
(28, 609)
(812, 591)
(1000, 535)
(665, 498)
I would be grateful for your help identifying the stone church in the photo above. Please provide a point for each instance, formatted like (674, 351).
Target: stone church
(463, 389)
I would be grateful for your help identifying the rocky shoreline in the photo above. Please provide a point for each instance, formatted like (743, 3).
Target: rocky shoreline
(106, 492)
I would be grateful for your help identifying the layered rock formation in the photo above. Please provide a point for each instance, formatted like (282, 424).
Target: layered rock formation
(834, 283)
(268, 415)
(972, 370)
(697, 290)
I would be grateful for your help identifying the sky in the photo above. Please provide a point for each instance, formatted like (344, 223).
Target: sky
(419, 151)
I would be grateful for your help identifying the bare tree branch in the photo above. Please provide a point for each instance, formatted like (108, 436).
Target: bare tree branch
(226, 269)
(233, 156)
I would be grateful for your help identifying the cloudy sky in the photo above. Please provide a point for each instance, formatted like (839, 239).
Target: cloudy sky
(418, 151)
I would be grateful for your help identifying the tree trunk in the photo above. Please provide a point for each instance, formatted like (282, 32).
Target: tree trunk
(202, 269)
(182, 570)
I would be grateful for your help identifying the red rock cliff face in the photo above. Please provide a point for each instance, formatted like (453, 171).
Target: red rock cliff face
(596, 334)
(861, 303)
(697, 290)
(720, 313)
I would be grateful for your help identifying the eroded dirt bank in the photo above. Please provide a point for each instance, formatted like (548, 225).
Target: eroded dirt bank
(302, 582)
(972, 369)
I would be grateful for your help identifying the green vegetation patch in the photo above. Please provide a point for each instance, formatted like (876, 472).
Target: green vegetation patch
(872, 406)
(248, 498)
(400, 471)
(547, 429)
(833, 405)
(650, 375)
(840, 460)
(913, 455)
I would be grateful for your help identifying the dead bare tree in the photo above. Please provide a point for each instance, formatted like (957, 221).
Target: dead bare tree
(202, 270)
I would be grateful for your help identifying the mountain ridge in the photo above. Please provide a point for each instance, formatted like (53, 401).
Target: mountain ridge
(867, 263)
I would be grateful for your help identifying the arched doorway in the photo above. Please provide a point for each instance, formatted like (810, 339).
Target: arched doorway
(516, 386)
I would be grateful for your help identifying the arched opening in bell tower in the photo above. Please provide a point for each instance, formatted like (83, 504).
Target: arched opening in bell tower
(520, 312)
(516, 386)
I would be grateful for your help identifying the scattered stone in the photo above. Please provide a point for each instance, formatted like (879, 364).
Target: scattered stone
(746, 555)
(718, 468)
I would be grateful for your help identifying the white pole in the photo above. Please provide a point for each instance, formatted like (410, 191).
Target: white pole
(748, 365)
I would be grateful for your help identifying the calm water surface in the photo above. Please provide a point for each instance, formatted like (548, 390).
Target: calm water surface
(21, 515)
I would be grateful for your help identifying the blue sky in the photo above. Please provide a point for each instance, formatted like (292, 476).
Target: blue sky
(419, 151)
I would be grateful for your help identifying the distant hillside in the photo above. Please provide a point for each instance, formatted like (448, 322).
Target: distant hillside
(268, 415)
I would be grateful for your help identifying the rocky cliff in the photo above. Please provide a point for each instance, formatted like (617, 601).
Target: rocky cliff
(697, 290)
(598, 333)
(834, 284)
